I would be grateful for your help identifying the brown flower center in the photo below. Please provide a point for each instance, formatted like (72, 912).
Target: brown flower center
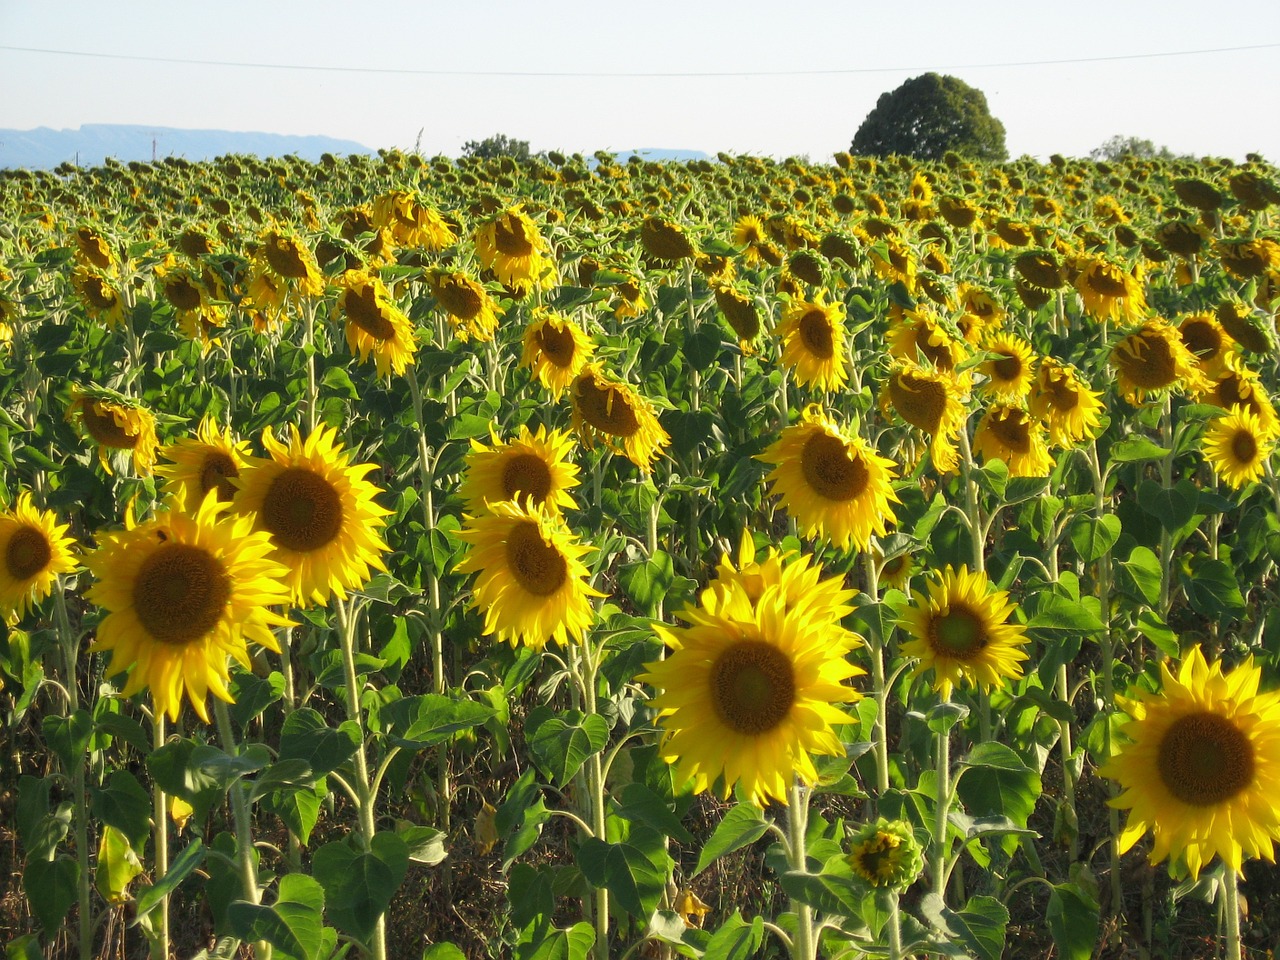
(1205, 759)
(180, 594)
(511, 238)
(959, 634)
(1013, 430)
(302, 510)
(1244, 447)
(182, 293)
(216, 472)
(362, 308)
(605, 408)
(459, 296)
(537, 566)
(753, 687)
(817, 334)
(830, 470)
(27, 554)
(920, 401)
(526, 476)
(1148, 361)
(557, 344)
(100, 421)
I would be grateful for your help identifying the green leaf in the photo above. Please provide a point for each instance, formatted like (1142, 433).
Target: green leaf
(306, 736)
(980, 926)
(337, 379)
(424, 844)
(561, 744)
(997, 783)
(634, 871)
(282, 775)
(574, 943)
(646, 582)
(1054, 612)
(1158, 632)
(741, 826)
(125, 805)
(1094, 536)
(182, 866)
(118, 864)
(1143, 568)
(735, 939)
(1073, 917)
(68, 737)
(703, 347)
(1172, 507)
(358, 885)
(641, 805)
(1136, 449)
(443, 951)
(294, 924)
(298, 809)
(417, 722)
(1211, 587)
(51, 890)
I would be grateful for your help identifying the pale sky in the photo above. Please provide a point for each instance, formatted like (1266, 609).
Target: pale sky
(1220, 103)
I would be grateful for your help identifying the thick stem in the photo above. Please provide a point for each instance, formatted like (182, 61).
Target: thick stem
(804, 946)
(880, 734)
(1232, 906)
(83, 886)
(895, 928)
(940, 844)
(160, 946)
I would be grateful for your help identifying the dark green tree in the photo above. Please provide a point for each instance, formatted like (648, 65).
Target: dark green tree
(928, 116)
(499, 145)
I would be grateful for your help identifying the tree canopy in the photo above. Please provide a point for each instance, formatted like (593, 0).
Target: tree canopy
(499, 145)
(1113, 148)
(928, 116)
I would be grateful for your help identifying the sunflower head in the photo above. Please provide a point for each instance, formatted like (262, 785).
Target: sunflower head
(665, 240)
(1153, 359)
(534, 467)
(100, 296)
(209, 463)
(930, 401)
(959, 628)
(1238, 446)
(375, 324)
(1246, 327)
(555, 350)
(1108, 290)
(813, 342)
(116, 423)
(1064, 402)
(1201, 766)
(34, 550)
(739, 310)
(468, 305)
(886, 854)
(1011, 369)
(285, 258)
(512, 248)
(607, 409)
(920, 333)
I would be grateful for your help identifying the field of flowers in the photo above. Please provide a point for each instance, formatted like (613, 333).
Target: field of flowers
(407, 557)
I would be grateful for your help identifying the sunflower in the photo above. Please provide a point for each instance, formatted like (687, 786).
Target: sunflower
(631, 301)
(319, 511)
(960, 629)
(1201, 769)
(209, 462)
(1238, 385)
(532, 583)
(34, 551)
(665, 240)
(1237, 446)
(748, 693)
(1205, 337)
(555, 350)
(116, 423)
(1064, 402)
(813, 342)
(1011, 371)
(92, 249)
(511, 246)
(836, 486)
(1245, 258)
(1254, 332)
(1040, 268)
(605, 408)
(284, 262)
(1153, 359)
(1006, 432)
(896, 571)
(470, 309)
(102, 301)
(410, 222)
(885, 853)
(182, 593)
(532, 467)
(740, 312)
(374, 323)
(920, 333)
(1109, 291)
(930, 401)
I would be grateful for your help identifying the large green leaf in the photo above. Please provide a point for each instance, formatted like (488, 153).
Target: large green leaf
(1094, 536)
(1211, 587)
(123, 803)
(575, 943)
(117, 865)
(741, 826)
(996, 782)
(641, 805)
(646, 582)
(417, 722)
(560, 744)
(359, 884)
(182, 866)
(1073, 917)
(633, 871)
(51, 890)
(980, 926)
(293, 925)
(735, 939)
(1143, 568)
(306, 736)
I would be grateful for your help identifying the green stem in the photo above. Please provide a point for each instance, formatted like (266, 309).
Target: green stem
(803, 947)
(241, 818)
(160, 946)
(940, 844)
(586, 676)
(880, 734)
(83, 888)
(895, 927)
(972, 509)
(309, 343)
(1232, 906)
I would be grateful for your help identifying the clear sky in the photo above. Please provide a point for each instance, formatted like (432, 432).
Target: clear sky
(807, 73)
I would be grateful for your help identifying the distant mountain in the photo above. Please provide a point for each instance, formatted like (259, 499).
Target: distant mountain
(88, 146)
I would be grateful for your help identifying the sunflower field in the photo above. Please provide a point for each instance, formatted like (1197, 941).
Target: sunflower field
(563, 558)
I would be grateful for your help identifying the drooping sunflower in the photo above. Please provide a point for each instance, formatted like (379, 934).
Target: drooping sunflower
(182, 594)
(1237, 446)
(1007, 432)
(410, 222)
(1246, 258)
(1108, 290)
(813, 342)
(533, 467)
(665, 240)
(101, 299)
(116, 423)
(960, 630)
(555, 350)
(1252, 329)
(1201, 770)
(209, 462)
(34, 550)
(92, 249)
(748, 693)
(930, 401)
(1239, 385)
(835, 485)
(374, 323)
(604, 408)
(532, 585)
(1064, 402)
(470, 308)
(1205, 337)
(749, 235)
(740, 312)
(1011, 371)
(511, 246)
(1153, 359)
(286, 262)
(320, 512)
(920, 332)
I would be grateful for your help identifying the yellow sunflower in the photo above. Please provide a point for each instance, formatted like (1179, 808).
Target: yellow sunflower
(1062, 399)
(283, 261)
(101, 298)
(895, 572)
(533, 467)
(470, 309)
(665, 240)
(410, 222)
(374, 323)
(1205, 337)
(555, 350)
(1108, 290)
(1006, 432)
(1153, 359)
(209, 462)
(1236, 385)
(748, 694)
(182, 593)
(885, 853)
(920, 332)
(813, 342)
(1201, 770)
(739, 311)
(1237, 446)
(532, 583)
(511, 246)
(749, 235)
(836, 486)
(319, 511)
(92, 249)
(930, 401)
(1011, 371)
(960, 630)
(605, 408)
(34, 550)
(116, 424)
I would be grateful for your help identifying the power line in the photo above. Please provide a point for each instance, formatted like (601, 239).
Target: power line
(623, 74)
